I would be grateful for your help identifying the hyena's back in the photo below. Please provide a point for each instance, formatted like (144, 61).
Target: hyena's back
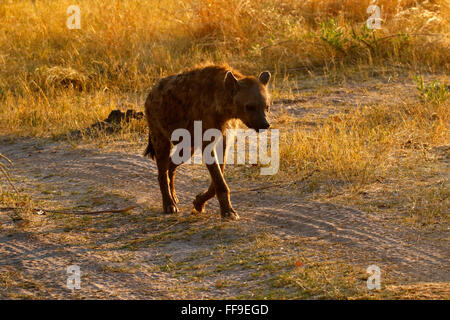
(177, 100)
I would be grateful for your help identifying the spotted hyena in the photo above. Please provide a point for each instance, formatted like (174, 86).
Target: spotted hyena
(215, 95)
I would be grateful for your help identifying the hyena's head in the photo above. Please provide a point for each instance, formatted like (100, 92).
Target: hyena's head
(251, 99)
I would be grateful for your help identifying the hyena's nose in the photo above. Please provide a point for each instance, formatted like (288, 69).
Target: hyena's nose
(265, 125)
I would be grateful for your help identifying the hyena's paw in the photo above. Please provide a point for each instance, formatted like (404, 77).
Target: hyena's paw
(199, 206)
(229, 215)
(171, 209)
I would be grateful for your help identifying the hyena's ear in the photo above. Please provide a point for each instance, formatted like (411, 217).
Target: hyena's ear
(230, 82)
(264, 77)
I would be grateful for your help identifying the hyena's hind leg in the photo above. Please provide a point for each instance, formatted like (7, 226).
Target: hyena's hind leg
(163, 162)
(172, 172)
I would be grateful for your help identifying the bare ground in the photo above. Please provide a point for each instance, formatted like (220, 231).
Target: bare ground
(284, 246)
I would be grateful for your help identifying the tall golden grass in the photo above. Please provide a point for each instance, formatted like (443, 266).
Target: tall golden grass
(362, 146)
(128, 44)
(124, 46)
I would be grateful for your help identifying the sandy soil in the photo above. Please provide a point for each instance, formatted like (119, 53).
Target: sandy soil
(130, 255)
(84, 176)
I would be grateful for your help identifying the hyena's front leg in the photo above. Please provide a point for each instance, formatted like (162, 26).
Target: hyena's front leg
(222, 192)
(202, 198)
(218, 187)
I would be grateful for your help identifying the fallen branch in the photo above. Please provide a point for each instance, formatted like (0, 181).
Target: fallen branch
(5, 158)
(5, 173)
(88, 212)
(64, 211)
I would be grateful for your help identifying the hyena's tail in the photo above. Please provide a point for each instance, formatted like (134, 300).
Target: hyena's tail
(149, 151)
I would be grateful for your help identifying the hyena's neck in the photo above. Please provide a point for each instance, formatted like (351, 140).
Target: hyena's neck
(224, 108)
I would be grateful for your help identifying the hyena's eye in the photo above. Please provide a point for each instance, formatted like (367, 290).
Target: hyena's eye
(250, 107)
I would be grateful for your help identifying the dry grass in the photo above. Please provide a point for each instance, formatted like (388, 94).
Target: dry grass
(394, 151)
(360, 146)
(127, 45)
(53, 79)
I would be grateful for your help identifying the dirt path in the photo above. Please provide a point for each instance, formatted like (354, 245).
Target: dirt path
(144, 254)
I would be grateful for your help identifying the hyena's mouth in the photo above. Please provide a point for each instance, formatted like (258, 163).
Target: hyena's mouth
(259, 127)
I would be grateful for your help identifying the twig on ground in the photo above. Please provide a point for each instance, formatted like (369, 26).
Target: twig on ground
(5, 173)
(63, 211)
